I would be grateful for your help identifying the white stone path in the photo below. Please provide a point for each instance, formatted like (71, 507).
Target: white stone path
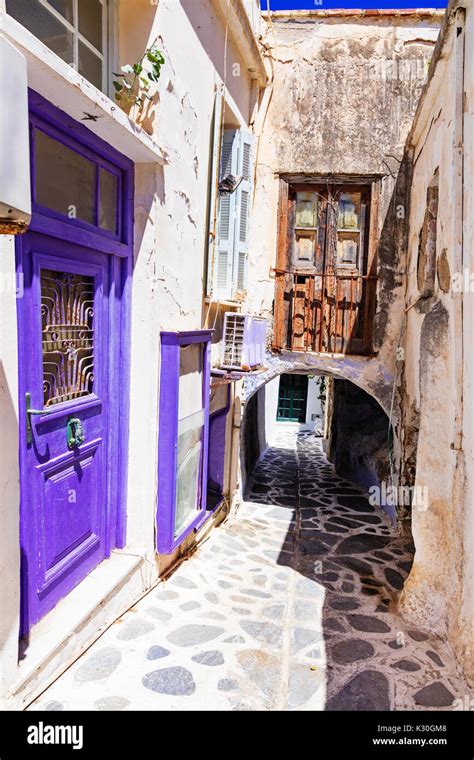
(289, 605)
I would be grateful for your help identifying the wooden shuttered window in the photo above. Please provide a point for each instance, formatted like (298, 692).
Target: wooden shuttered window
(325, 275)
(228, 264)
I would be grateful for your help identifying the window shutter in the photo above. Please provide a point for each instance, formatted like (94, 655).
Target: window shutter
(213, 194)
(226, 226)
(243, 207)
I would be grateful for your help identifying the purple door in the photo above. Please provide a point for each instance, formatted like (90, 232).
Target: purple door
(65, 320)
(73, 358)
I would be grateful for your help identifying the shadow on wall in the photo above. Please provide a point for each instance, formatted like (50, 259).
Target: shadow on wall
(391, 250)
(358, 438)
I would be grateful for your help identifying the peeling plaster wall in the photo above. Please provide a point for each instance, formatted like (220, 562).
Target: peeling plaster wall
(438, 374)
(171, 232)
(343, 98)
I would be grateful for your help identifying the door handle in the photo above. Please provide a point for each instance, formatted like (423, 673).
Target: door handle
(29, 412)
(74, 432)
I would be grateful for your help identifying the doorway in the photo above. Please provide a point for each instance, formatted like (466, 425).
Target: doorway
(292, 398)
(74, 263)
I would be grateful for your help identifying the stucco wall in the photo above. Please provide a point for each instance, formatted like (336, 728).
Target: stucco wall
(171, 208)
(342, 99)
(437, 368)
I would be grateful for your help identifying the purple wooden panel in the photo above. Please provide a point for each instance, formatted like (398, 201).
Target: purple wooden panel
(217, 442)
(168, 436)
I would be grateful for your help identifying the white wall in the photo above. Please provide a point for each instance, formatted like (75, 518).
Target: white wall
(438, 365)
(171, 157)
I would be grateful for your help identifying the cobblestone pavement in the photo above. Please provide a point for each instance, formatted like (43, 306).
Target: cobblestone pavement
(289, 605)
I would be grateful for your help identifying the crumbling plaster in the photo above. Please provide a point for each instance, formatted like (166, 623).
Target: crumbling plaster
(342, 99)
(171, 208)
(437, 366)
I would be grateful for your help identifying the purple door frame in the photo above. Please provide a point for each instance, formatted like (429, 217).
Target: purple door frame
(110, 256)
(168, 437)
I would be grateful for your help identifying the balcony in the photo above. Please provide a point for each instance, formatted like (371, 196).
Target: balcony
(324, 313)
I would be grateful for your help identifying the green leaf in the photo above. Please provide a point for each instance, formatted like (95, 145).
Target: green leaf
(137, 68)
(117, 86)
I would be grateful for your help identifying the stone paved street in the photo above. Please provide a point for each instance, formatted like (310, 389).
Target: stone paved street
(289, 605)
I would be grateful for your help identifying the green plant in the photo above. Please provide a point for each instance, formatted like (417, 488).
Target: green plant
(132, 86)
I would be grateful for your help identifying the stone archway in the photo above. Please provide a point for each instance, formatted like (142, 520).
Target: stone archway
(373, 382)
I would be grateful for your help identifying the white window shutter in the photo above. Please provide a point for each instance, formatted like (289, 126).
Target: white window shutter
(243, 208)
(226, 226)
(213, 194)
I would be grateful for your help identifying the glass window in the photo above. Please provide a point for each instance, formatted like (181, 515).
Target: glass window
(190, 435)
(64, 7)
(74, 30)
(67, 315)
(108, 193)
(48, 28)
(90, 65)
(65, 180)
(90, 21)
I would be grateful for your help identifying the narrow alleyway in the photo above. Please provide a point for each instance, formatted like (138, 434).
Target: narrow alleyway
(289, 605)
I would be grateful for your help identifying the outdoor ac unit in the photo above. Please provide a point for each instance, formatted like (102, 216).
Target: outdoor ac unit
(15, 194)
(243, 341)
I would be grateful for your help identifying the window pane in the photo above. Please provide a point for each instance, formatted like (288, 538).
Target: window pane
(188, 471)
(67, 314)
(90, 21)
(65, 180)
(43, 25)
(108, 201)
(306, 210)
(90, 65)
(190, 431)
(64, 7)
(349, 210)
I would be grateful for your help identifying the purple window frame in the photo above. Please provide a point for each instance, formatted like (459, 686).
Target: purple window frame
(171, 342)
(58, 125)
(120, 247)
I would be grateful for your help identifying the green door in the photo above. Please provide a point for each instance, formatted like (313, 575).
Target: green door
(292, 398)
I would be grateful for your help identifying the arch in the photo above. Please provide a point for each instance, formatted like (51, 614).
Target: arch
(368, 373)
(360, 374)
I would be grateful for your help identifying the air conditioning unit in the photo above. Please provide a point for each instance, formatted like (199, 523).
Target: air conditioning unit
(15, 197)
(243, 341)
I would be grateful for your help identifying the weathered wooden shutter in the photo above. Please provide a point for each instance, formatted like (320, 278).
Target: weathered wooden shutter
(243, 206)
(281, 303)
